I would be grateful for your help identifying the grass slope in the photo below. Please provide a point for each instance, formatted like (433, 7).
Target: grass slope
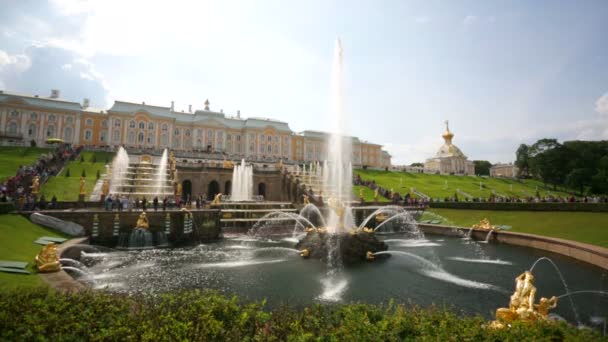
(17, 236)
(12, 157)
(435, 185)
(67, 188)
(589, 228)
(368, 194)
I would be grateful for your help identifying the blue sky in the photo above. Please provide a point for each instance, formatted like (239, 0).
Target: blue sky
(502, 72)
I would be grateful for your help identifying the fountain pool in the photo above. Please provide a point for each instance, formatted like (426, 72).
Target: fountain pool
(442, 271)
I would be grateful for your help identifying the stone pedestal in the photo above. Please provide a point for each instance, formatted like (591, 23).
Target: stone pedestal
(351, 248)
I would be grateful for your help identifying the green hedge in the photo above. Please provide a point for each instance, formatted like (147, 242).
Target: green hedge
(590, 207)
(204, 316)
(6, 207)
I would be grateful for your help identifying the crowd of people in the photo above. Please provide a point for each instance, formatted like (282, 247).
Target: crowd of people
(18, 188)
(126, 203)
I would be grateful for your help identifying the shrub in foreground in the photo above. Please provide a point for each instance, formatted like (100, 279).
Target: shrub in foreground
(40, 314)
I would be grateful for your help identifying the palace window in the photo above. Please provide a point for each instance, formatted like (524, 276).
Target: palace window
(103, 136)
(262, 148)
(89, 122)
(199, 132)
(150, 140)
(228, 137)
(33, 116)
(187, 132)
(69, 119)
(31, 132)
(131, 124)
(14, 114)
(163, 140)
(67, 134)
(116, 135)
(12, 127)
(116, 122)
(52, 118)
(252, 148)
(210, 134)
(88, 134)
(220, 135)
(163, 127)
(142, 125)
(151, 125)
(238, 138)
(104, 123)
(269, 148)
(131, 137)
(140, 138)
(50, 131)
(176, 131)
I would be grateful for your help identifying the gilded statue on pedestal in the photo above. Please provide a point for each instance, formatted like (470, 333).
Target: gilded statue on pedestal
(105, 187)
(217, 200)
(376, 194)
(228, 164)
(35, 185)
(484, 224)
(522, 306)
(142, 221)
(361, 195)
(48, 260)
(306, 200)
(178, 189)
(82, 183)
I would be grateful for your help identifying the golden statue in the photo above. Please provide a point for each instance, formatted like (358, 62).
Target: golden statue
(105, 187)
(521, 305)
(338, 207)
(35, 185)
(305, 253)
(367, 230)
(361, 196)
(484, 224)
(142, 221)
(306, 200)
(217, 200)
(280, 165)
(171, 161)
(381, 217)
(370, 256)
(310, 230)
(48, 260)
(228, 164)
(376, 194)
(82, 182)
(178, 189)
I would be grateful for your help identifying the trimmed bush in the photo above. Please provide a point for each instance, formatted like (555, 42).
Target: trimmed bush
(40, 314)
(98, 175)
(84, 173)
(589, 207)
(82, 158)
(67, 173)
(6, 207)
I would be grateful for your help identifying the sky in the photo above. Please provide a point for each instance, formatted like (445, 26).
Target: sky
(502, 72)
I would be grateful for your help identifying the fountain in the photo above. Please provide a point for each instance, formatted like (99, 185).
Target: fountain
(242, 183)
(142, 178)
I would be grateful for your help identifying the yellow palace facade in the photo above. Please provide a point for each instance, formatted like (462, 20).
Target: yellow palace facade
(24, 118)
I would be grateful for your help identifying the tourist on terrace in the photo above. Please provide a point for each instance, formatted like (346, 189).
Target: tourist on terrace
(155, 203)
(108, 204)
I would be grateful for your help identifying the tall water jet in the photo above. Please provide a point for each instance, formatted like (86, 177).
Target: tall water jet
(120, 166)
(242, 182)
(161, 174)
(338, 180)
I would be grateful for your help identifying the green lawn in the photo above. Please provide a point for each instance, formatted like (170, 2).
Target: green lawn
(368, 194)
(590, 228)
(17, 236)
(441, 186)
(12, 157)
(67, 188)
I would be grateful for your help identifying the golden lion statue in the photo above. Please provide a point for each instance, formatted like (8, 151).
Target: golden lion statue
(48, 260)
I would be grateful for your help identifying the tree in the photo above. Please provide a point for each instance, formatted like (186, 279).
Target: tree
(522, 157)
(417, 165)
(84, 173)
(94, 158)
(579, 178)
(67, 173)
(482, 167)
(98, 175)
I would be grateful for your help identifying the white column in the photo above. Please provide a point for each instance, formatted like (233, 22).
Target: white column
(59, 131)
(3, 115)
(77, 128)
(23, 124)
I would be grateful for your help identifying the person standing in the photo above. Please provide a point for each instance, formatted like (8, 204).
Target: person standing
(164, 203)
(155, 203)
(144, 202)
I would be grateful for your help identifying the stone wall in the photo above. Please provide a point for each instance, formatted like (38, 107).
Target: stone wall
(591, 254)
(206, 224)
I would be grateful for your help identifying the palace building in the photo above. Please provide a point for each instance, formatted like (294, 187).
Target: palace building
(449, 159)
(24, 118)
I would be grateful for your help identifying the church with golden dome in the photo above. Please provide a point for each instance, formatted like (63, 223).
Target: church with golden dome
(449, 160)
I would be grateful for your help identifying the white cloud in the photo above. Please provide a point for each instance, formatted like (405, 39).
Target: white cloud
(422, 20)
(601, 105)
(18, 62)
(469, 19)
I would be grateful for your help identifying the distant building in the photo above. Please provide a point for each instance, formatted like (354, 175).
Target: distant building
(26, 118)
(449, 159)
(504, 170)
